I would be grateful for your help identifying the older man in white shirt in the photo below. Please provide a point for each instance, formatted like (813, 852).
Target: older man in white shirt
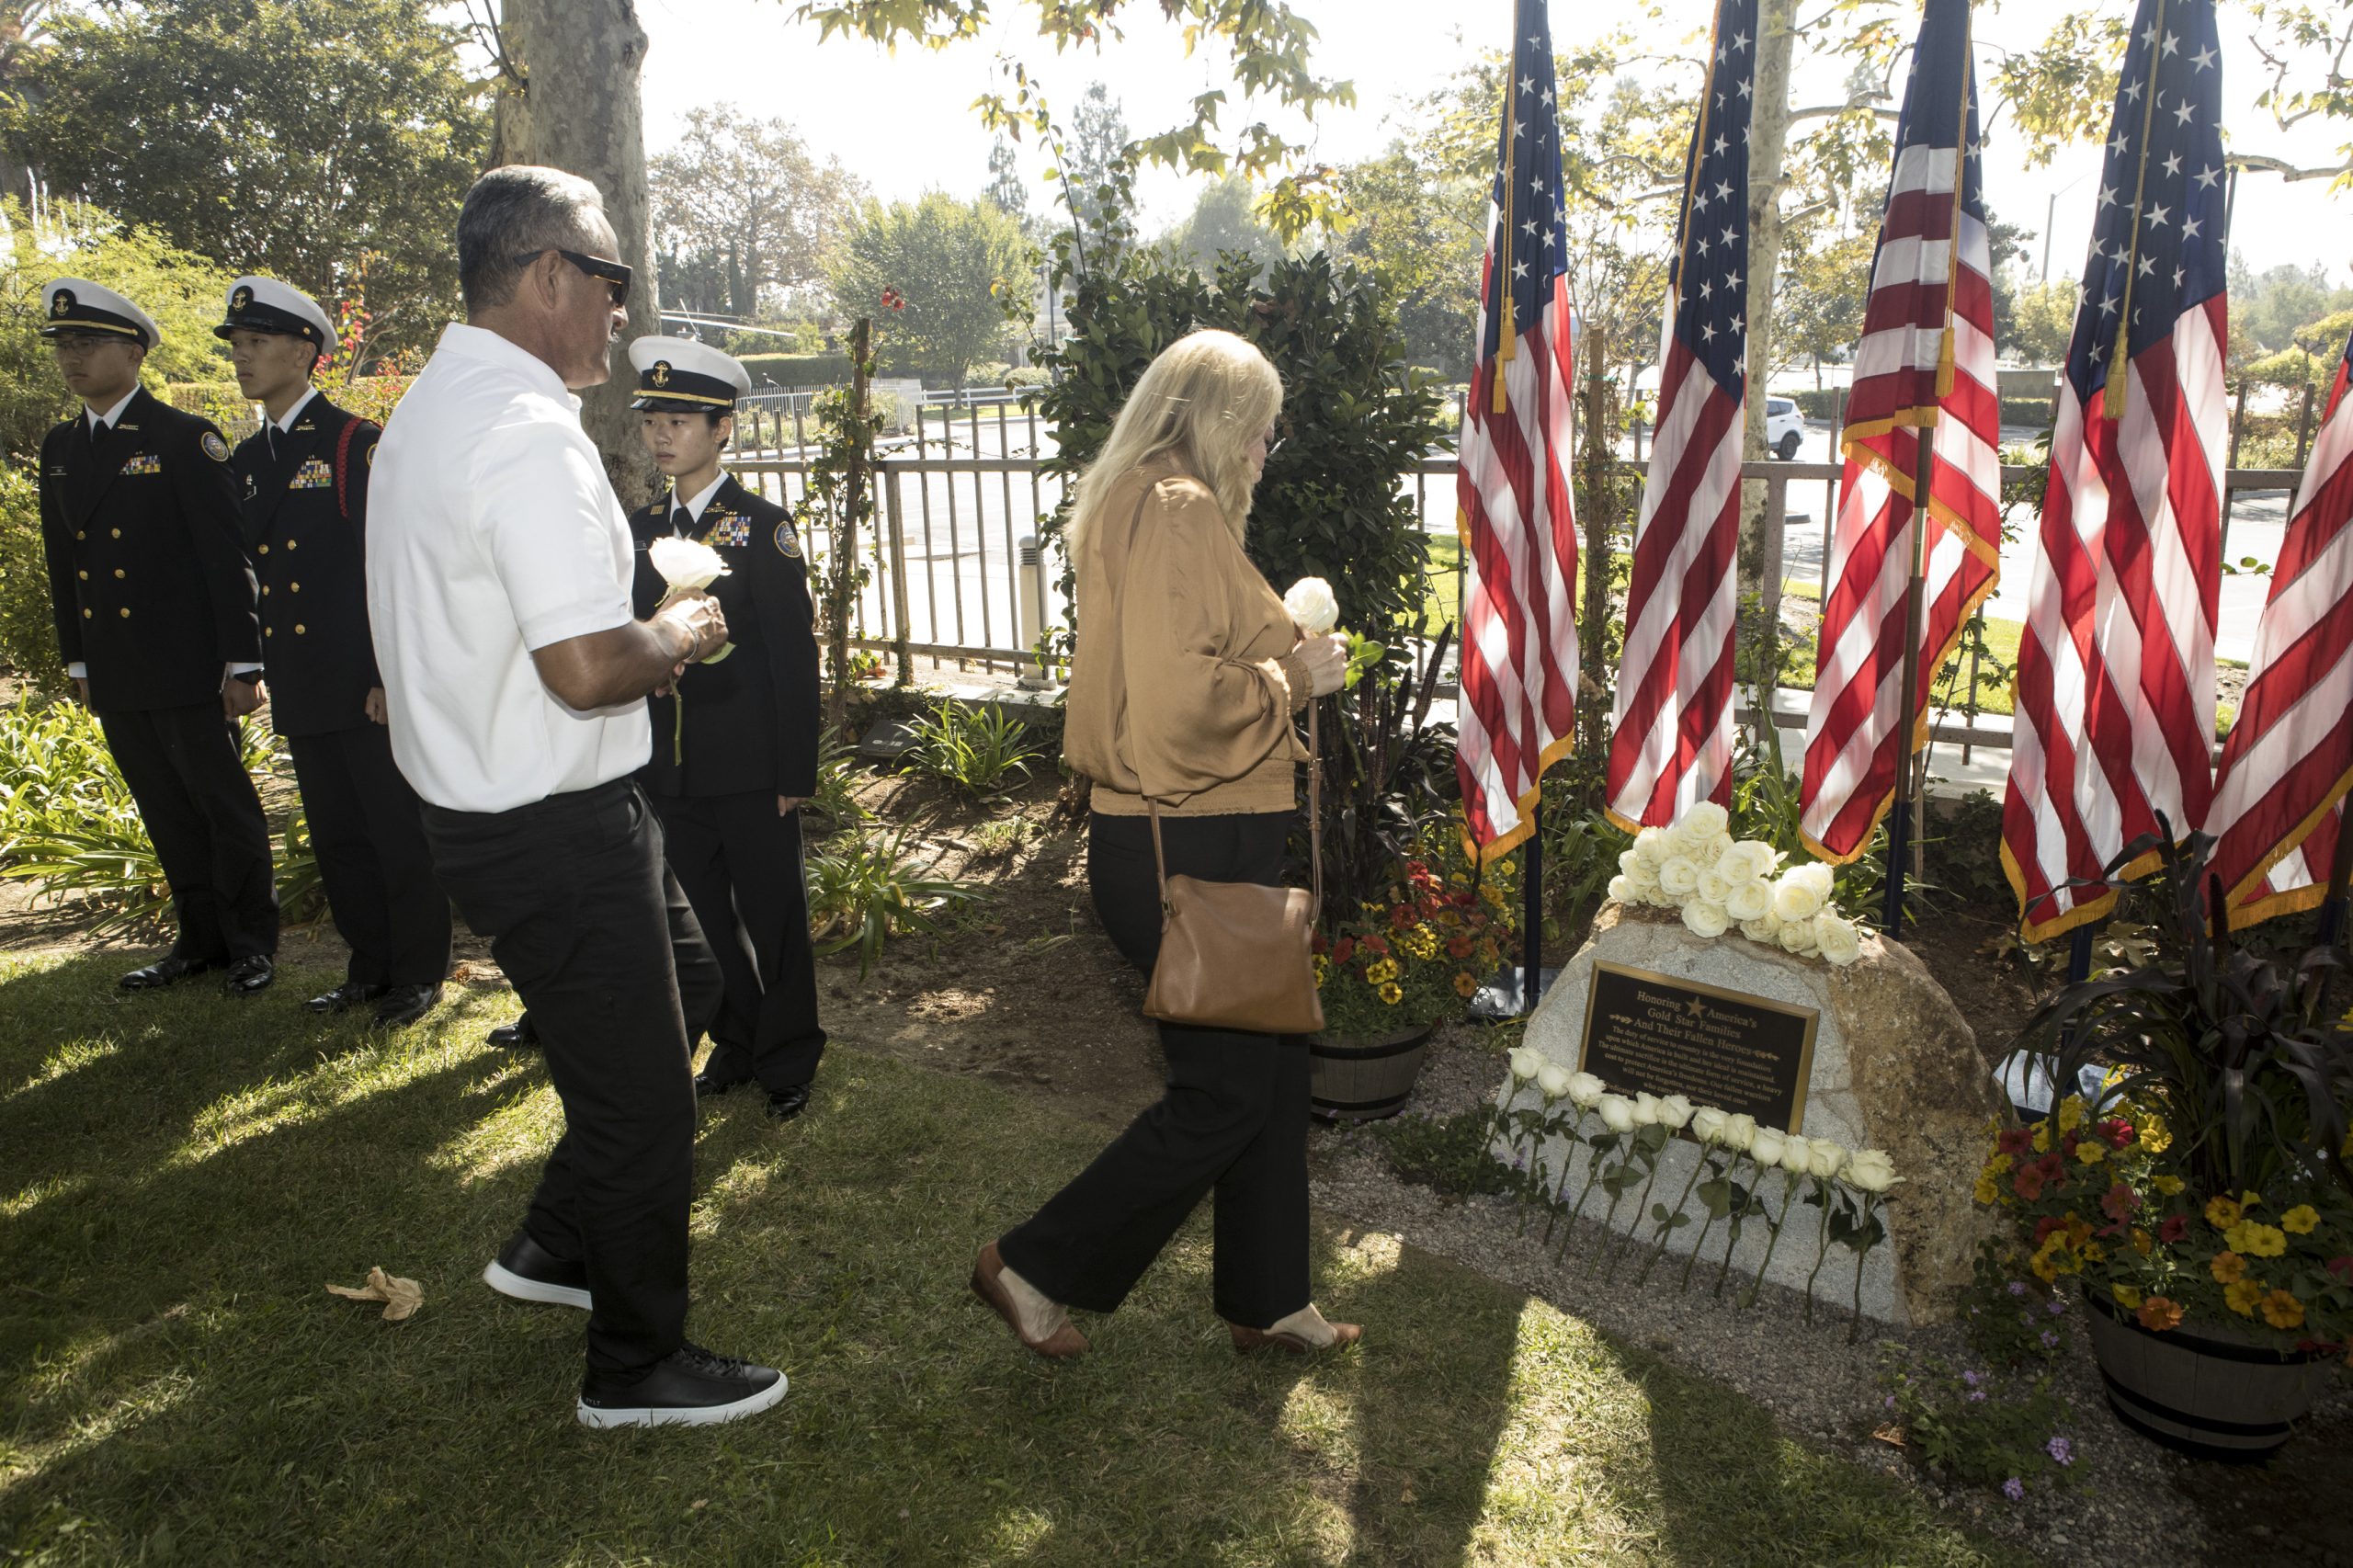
(514, 675)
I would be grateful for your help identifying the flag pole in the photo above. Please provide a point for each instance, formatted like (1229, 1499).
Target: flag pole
(1905, 812)
(1531, 914)
(2340, 874)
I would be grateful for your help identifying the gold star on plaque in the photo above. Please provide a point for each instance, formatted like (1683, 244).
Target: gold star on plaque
(1697, 1006)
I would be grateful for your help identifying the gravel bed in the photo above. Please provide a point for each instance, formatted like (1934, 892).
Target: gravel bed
(1822, 1390)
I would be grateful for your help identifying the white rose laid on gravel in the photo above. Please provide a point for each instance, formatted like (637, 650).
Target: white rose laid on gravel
(1871, 1170)
(1617, 1113)
(1708, 1124)
(1712, 886)
(1585, 1090)
(1679, 877)
(1765, 928)
(1797, 1154)
(1312, 606)
(1740, 1134)
(1705, 919)
(1825, 1158)
(1651, 844)
(1645, 1110)
(1795, 900)
(1797, 936)
(1837, 938)
(1526, 1061)
(1675, 1110)
(1750, 899)
(1554, 1079)
(1766, 1146)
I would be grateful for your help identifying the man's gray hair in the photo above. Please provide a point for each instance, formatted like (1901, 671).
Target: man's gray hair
(512, 215)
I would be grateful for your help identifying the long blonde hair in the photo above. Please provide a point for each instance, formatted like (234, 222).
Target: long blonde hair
(1202, 401)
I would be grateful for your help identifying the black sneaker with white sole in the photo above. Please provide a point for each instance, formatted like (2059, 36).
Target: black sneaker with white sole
(529, 1272)
(689, 1387)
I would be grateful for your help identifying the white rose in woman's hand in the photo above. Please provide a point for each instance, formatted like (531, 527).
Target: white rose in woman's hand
(1312, 606)
(1325, 661)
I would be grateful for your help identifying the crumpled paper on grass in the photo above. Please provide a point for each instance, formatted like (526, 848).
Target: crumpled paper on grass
(400, 1297)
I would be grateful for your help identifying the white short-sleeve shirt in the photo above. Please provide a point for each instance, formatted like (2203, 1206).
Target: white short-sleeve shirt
(493, 530)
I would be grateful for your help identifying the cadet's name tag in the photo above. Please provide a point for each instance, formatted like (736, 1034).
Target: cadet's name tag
(314, 474)
(145, 462)
(729, 531)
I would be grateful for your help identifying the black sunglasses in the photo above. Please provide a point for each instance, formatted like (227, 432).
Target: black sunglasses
(614, 273)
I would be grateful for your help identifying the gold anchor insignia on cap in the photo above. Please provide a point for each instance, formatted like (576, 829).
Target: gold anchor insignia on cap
(60, 301)
(243, 298)
(661, 376)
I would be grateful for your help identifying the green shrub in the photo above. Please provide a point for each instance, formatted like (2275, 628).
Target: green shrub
(1977, 1429)
(1021, 377)
(837, 773)
(977, 751)
(1450, 1154)
(797, 369)
(27, 628)
(864, 891)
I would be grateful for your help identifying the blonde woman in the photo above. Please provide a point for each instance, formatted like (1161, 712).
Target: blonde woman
(1185, 685)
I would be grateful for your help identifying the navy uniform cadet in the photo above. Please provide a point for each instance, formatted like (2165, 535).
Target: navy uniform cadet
(155, 601)
(303, 476)
(735, 748)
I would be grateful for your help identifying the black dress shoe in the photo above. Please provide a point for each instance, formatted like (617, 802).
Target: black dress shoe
(517, 1036)
(250, 976)
(403, 1004)
(786, 1103)
(710, 1087)
(350, 993)
(166, 971)
(689, 1387)
(529, 1272)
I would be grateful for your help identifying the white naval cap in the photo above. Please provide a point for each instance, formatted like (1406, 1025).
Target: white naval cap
(76, 304)
(678, 375)
(264, 304)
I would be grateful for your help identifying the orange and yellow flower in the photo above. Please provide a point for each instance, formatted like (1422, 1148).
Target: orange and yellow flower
(2243, 1296)
(2227, 1267)
(2282, 1309)
(2222, 1212)
(2255, 1239)
(1393, 993)
(2301, 1219)
(2159, 1313)
(1464, 985)
(2126, 1297)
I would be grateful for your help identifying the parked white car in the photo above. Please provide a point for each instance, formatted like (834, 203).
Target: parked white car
(1784, 428)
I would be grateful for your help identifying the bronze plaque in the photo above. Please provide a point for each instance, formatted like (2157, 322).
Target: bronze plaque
(1727, 1048)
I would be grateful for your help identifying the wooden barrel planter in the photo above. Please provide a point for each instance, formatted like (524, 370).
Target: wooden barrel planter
(1364, 1080)
(2213, 1394)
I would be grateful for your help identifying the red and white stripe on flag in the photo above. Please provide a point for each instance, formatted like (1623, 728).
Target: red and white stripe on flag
(2278, 808)
(1670, 743)
(2114, 719)
(1518, 709)
(1926, 361)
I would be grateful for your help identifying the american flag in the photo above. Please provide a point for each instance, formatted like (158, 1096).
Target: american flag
(2115, 711)
(2289, 760)
(1671, 737)
(1924, 369)
(1520, 645)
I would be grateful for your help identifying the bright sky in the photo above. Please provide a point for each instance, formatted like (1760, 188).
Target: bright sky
(904, 123)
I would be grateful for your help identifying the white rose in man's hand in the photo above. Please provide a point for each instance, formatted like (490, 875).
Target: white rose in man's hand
(1312, 606)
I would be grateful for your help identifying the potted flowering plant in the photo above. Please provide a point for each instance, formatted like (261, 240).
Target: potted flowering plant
(1402, 964)
(2202, 1197)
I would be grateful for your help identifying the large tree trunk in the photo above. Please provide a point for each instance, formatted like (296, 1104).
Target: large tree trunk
(1768, 134)
(568, 98)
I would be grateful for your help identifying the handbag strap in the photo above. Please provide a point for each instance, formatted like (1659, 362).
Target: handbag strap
(1315, 763)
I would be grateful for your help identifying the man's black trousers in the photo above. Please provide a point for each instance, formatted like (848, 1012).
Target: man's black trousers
(372, 857)
(581, 916)
(740, 863)
(1234, 1120)
(186, 773)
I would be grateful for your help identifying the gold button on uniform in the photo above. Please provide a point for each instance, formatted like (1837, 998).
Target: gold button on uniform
(126, 612)
(265, 549)
(114, 532)
(294, 587)
(84, 576)
(86, 615)
(79, 534)
(269, 631)
(298, 625)
(118, 572)
(293, 543)
(265, 590)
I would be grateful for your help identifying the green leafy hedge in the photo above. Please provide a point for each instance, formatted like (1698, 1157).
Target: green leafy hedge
(797, 369)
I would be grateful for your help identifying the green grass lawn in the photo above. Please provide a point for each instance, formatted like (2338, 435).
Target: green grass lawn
(1993, 685)
(183, 1174)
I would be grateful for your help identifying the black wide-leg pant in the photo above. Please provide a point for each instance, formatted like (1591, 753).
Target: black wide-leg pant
(582, 915)
(739, 861)
(372, 858)
(188, 778)
(1232, 1123)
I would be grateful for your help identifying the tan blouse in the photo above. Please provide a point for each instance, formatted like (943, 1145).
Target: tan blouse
(1183, 681)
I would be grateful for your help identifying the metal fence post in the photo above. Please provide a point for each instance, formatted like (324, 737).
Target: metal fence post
(898, 573)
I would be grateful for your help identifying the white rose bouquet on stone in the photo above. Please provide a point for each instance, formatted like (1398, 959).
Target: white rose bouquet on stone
(1716, 882)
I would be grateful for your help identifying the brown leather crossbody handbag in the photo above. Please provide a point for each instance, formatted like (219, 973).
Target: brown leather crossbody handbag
(1237, 955)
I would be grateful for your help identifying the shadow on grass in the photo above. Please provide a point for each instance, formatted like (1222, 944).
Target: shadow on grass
(184, 1175)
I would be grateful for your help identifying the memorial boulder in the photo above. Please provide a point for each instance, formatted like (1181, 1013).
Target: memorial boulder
(1872, 1053)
